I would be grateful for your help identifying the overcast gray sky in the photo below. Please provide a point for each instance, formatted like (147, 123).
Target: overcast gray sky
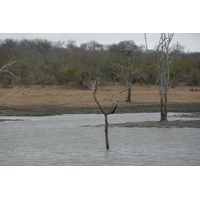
(191, 41)
(106, 21)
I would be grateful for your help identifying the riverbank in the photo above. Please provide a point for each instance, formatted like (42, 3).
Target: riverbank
(133, 108)
(70, 99)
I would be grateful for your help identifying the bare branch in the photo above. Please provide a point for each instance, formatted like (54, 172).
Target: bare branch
(94, 90)
(173, 90)
(113, 107)
(122, 77)
(7, 71)
(15, 90)
(8, 64)
(11, 62)
(145, 37)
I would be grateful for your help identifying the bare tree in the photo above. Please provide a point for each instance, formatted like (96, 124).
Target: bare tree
(127, 73)
(128, 63)
(165, 56)
(15, 89)
(111, 110)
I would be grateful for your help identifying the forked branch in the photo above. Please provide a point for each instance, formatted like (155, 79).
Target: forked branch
(15, 90)
(3, 69)
(113, 107)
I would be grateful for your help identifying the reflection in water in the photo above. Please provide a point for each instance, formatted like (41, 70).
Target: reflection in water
(73, 140)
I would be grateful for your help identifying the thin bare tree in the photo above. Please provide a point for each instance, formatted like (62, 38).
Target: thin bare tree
(111, 110)
(165, 56)
(5, 69)
(127, 74)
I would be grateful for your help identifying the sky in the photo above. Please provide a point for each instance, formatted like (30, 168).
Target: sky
(106, 22)
(191, 41)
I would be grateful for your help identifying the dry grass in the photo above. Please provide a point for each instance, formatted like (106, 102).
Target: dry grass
(73, 96)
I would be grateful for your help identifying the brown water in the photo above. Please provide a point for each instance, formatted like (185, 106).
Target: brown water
(73, 140)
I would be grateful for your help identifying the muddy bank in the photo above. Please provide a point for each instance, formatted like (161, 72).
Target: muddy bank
(191, 110)
(133, 108)
(168, 124)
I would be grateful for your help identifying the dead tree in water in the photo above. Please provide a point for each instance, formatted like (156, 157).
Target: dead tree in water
(110, 111)
(164, 61)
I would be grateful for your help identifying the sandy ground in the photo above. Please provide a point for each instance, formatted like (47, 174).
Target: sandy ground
(71, 97)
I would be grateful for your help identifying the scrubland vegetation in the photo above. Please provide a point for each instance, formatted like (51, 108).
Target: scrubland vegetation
(44, 62)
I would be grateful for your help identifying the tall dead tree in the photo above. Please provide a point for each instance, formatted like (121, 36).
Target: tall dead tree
(164, 60)
(165, 56)
(111, 110)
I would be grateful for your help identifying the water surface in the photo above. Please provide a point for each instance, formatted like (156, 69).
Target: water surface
(73, 140)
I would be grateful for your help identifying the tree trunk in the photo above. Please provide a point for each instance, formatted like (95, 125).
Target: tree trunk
(129, 95)
(161, 108)
(106, 131)
(81, 81)
(165, 108)
(163, 111)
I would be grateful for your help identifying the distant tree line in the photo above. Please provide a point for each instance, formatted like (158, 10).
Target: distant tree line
(40, 61)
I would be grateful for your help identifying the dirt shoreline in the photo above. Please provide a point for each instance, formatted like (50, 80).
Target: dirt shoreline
(70, 99)
(134, 108)
(193, 108)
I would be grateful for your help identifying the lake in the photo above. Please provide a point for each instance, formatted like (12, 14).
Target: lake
(73, 140)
